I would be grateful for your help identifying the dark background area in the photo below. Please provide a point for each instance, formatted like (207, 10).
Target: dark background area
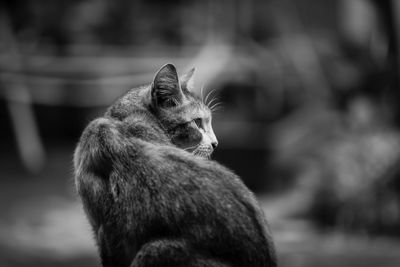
(309, 116)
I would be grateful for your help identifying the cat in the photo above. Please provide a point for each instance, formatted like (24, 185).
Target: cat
(151, 192)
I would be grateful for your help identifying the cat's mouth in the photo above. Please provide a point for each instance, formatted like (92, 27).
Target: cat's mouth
(203, 151)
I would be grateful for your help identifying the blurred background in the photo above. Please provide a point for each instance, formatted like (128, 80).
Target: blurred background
(310, 115)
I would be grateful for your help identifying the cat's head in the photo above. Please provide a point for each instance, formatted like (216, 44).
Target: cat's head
(182, 114)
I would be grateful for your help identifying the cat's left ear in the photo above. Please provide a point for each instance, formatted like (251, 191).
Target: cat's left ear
(165, 89)
(187, 81)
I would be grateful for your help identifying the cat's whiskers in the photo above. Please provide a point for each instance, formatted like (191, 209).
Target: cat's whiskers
(216, 106)
(207, 96)
(214, 100)
(190, 147)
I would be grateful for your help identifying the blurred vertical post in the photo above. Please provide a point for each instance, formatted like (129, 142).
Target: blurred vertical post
(389, 10)
(18, 101)
(394, 55)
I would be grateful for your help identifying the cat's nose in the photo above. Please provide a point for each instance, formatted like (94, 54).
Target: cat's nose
(214, 144)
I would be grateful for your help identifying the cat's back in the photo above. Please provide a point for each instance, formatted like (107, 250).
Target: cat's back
(205, 203)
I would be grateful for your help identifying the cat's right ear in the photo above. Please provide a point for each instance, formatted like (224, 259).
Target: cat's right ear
(165, 89)
(187, 81)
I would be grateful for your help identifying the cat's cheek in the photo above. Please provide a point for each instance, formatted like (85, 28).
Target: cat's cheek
(197, 137)
(187, 137)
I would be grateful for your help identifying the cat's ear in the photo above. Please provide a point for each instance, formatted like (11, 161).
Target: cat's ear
(187, 81)
(165, 89)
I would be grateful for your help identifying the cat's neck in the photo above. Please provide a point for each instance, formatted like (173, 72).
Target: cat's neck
(134, 100)
(133, 111)
(143, 125)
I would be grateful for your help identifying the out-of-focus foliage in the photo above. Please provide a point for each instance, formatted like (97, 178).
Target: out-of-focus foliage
(343, 150)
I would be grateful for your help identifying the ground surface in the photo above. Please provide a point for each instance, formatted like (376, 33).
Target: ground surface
(42, 224)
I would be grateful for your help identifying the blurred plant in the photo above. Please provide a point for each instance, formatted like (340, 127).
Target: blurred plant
(342, 142)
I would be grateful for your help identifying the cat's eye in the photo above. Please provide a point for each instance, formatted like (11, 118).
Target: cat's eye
(198, 122)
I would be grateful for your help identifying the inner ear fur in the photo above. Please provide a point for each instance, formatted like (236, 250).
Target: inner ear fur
(165, 89)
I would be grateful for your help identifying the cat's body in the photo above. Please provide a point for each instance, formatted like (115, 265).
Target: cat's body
(152, 203)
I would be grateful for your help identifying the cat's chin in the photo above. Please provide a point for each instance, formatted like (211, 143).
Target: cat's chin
(203, 156)
(203, 152)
